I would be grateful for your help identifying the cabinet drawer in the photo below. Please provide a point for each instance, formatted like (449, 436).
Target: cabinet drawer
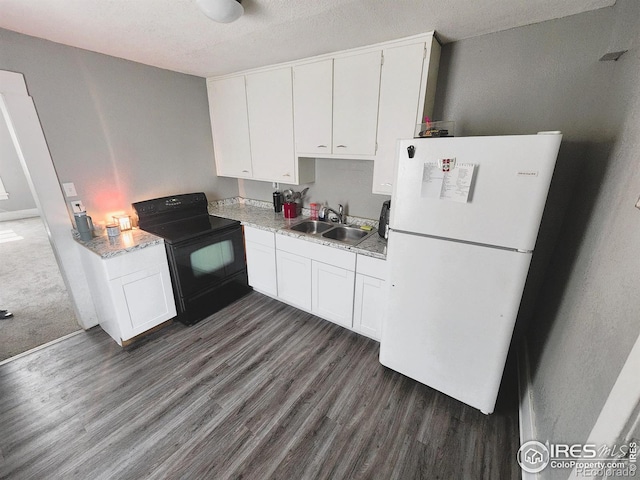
(373, 267)
(135, 261)
(261, 237)
(315, 251)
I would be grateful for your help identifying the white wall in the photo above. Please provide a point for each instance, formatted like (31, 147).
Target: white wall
(548, 77)
(119, 130)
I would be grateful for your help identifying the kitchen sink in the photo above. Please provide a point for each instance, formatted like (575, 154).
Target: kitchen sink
(347, 234)
(352, 235)
(311, 227)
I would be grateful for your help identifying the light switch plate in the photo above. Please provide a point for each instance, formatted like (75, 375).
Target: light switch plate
(69, 189)
(77, 206)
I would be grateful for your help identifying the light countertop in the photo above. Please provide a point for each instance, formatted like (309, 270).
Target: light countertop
(253, 213)
(259, 214)
(127, 241)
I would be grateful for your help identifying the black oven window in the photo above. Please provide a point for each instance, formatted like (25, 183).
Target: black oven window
(212, 258)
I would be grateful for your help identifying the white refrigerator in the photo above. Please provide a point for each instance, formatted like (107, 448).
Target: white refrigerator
(465, 214)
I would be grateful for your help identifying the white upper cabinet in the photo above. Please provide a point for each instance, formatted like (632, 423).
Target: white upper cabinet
(270, 107)
(336, 105)
(313, 107)
(353, 104)
(400, 108)
(356, 87)
(230, 127)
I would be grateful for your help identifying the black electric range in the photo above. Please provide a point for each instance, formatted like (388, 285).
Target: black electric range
(205, 253)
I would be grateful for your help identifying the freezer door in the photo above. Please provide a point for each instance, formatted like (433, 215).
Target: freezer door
(507, 195)
(451, 311)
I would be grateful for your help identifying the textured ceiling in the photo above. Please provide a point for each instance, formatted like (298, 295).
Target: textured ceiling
(176, 35)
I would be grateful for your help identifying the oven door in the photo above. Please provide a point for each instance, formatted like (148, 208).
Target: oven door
(207, 261)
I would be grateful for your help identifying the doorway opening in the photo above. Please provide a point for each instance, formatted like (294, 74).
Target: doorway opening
(53, 229)
(31, 288)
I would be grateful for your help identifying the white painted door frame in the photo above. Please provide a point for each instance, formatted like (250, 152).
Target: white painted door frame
(31, 147)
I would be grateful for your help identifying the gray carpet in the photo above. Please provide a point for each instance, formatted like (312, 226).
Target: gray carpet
(31, 287)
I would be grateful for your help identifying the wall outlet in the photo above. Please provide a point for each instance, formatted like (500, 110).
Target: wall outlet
(77, 206)
(69, 189)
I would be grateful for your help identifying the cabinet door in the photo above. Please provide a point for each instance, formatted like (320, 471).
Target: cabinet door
(270, 107)
(261, 268)
(368, 305)
(312, 103)
(143, 300)
(230, 127)
(294, 279)
(332, 297)
(398, 109)
(356, 88)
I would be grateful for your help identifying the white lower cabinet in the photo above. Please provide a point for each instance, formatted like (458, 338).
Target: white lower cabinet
(261, 260)
(368, 305)
(294, 279)
(132, 292)
(317, 278)
(332, 293)
(370, 296)
(334, 284)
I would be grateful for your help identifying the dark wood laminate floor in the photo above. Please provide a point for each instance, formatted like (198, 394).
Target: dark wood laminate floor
(260, 390)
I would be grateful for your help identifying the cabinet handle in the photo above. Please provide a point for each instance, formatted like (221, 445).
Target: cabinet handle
(341, 146)
(286, 175)
(387, 184)
(245, 171)
(321, 146)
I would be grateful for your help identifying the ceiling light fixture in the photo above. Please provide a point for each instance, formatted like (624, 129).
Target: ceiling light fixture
(223, 11)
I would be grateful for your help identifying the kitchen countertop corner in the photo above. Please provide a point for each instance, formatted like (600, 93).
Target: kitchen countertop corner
(127, 241)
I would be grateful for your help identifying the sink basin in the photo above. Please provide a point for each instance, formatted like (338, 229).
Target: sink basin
(311, 227)
(351, 235)
(347, 234)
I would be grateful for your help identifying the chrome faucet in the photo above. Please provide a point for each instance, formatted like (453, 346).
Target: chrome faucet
(340, 215)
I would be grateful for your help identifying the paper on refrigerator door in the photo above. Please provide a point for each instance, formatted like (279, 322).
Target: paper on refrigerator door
(457, 183)
(453, 184)
(432, 180)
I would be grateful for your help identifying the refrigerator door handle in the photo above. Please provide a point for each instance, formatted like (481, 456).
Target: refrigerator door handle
(454, 240)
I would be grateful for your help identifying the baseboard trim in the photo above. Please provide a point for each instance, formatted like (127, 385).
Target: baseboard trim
(526, 415)
(40, 347)
(19, 214)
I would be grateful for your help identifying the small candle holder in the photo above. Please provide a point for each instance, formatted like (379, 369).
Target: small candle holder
(123, 221)
(112, 230)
